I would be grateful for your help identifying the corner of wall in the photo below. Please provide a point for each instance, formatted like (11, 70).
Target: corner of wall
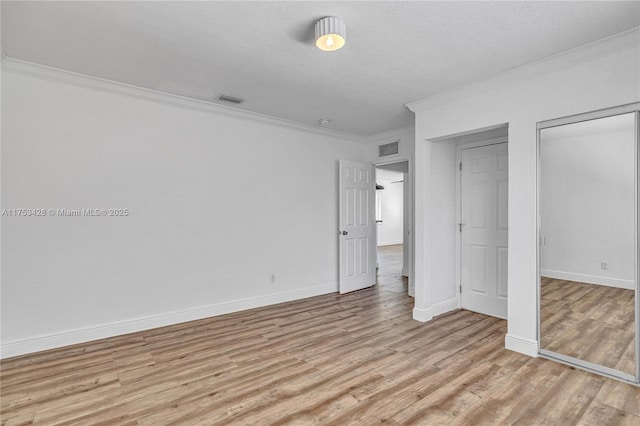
(422, 315)
(444, 307)
(521, 345)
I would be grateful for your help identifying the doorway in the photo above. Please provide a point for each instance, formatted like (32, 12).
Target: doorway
(393, 251)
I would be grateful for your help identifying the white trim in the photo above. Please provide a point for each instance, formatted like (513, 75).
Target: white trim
(397, 158)
(444, 307)
(629, 39)
(588, 116)
(102, 331)
(390, 243)
(589, 279)
(473, 133)
(389, 135)
(481, 143)
(522, 345)
(422, 315)
(43, 72)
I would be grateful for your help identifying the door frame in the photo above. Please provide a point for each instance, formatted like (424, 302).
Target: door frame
(459, 149)
(409, 214)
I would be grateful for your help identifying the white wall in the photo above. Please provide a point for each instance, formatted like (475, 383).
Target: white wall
(390, 230)
(587, 79)
(443, 238)
(218, 204)
(587, 201)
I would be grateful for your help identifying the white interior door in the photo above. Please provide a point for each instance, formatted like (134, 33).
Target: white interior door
(484, 229)
(357, 226)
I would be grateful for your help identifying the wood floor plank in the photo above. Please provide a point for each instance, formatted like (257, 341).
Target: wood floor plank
(598, 414)
(24, 419)
(594, 323)
(622, 396)
(564, 402)
(354, 359)
(508, 403)
(447, 401)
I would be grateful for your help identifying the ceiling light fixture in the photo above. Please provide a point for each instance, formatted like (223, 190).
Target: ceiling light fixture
(324, 121)
(331, 33)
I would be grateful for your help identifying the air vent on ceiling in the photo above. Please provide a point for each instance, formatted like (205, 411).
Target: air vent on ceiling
(231, 99)
(388, 149)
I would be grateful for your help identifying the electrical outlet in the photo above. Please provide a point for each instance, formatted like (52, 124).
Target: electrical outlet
(604, 266)
(273, 278)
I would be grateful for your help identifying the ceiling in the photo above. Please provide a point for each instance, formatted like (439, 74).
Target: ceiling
(396, 51)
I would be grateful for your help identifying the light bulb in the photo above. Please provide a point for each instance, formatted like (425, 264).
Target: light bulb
(330, 33)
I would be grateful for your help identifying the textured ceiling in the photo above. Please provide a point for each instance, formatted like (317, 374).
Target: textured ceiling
(396, 51)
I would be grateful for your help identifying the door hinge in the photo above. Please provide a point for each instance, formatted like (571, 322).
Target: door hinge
(460, 166)
(461, 289)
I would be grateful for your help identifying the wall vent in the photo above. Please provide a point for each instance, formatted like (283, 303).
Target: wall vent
(388, 149)
(227, 98)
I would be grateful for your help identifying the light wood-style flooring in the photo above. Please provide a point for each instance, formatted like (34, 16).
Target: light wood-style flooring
(355, 359)
(590, 322)
(389, 273)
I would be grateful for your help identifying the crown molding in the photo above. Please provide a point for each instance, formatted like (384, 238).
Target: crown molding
(618, 42)
(389, 134)
(43, 72)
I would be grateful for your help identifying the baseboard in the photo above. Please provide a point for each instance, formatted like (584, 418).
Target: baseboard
(522, 345)
(390, 243)
(102, 331)
(589, 279)
(444, 307)
(422, 315)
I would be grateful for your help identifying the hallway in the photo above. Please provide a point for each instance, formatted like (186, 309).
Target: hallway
(389, 274)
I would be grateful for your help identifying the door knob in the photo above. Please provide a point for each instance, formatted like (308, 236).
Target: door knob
(344, 232)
